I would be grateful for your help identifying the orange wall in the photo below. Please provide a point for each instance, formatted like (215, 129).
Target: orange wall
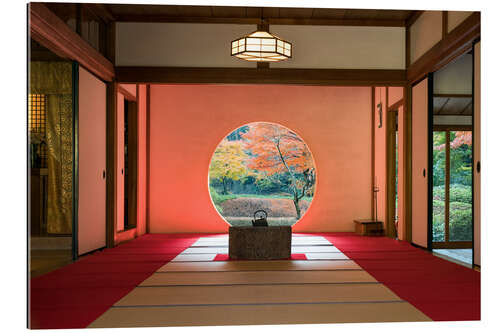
(189, 121)
(395, 95)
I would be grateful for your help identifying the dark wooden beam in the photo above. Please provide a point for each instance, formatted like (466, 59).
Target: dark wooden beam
(453, 95)
(455, 43)
(201, 75)
(101, 11)
(442, 107)
(466, 107)
(413, 17)
(111, 146)
(50, 31)
(257, 20)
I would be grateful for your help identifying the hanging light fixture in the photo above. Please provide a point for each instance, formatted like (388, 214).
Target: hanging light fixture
(262, 46)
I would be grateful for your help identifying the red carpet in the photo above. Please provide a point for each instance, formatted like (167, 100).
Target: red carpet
(441, 289)
(294, 256)
(77, 294)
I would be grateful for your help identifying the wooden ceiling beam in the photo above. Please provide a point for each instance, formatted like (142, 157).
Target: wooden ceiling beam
(100, 10)
(51, 32)
(442, 106)
(257, 20)
(466, 107)
(413, 17)
(203, 75)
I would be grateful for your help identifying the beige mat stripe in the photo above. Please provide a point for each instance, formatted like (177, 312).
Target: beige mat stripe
(287, 265)
(262, 314)
(250, 294)
(256, 277)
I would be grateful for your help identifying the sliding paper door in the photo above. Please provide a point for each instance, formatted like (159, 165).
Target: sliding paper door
(420, 158)
(477, 154)
(91, 163)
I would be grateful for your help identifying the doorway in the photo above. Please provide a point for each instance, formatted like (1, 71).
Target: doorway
(452, 161)
(51, 159)
(452, 191)
(130, 164)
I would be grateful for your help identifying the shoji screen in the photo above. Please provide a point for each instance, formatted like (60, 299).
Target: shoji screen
(420, 174)
(91, 163)
(477, 153)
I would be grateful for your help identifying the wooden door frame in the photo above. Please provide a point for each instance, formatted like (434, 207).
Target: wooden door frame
(391, 119)
(132, 154)
(130, 232)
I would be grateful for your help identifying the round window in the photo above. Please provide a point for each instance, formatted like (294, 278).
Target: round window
(262, 166)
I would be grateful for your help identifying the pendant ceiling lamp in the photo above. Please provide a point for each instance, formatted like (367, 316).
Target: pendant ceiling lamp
(261, 46)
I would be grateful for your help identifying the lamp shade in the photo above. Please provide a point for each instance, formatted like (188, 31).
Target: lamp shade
(261, 46)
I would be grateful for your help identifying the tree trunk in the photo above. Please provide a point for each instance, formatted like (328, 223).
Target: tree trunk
(224, 186)
(297, 207)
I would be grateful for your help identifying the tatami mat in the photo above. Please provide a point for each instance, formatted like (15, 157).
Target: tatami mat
(295, 249)
(195, 257)
(326, 256)
(251, 294)
(193, 289)
(284, 265)
(223, 241)
(257, 277)
(259, 314)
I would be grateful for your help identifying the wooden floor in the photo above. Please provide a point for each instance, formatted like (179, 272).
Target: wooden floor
(45, 261)
(195, 290)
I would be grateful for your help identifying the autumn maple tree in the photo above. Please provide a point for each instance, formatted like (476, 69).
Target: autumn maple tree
(228, 163)
(274, 150)
(461, 138)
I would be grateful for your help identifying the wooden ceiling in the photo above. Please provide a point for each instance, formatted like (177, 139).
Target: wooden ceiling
(253, 15)
(453, 105)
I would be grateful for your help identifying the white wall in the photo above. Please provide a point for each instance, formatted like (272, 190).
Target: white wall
(420, 157)
(178, 44)
(343, 47)
(425, 33)
(455, 18)
(208, 45)
(91, 162)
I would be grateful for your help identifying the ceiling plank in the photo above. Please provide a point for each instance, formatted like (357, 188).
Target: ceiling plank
(466, 107)
(442, 106)
(454, 95)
